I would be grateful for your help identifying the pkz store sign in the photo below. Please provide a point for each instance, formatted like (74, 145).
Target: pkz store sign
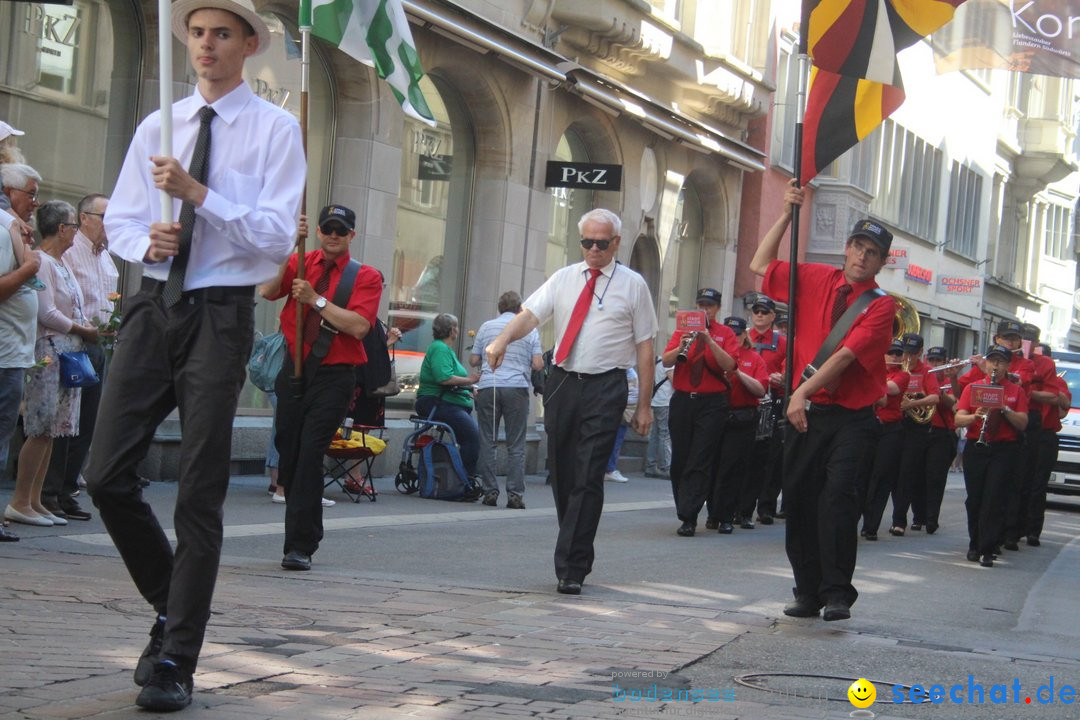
(585, 176)
(53, 25)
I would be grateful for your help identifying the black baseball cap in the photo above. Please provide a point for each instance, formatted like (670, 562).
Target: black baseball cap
(911, 342)
(1009, 327)
(708, 295)
(1001, 350)
(875, 231)
(737, 324)
(764, 301)
(338, 213)
(1029, 331)
(936, 352)
(895, 348)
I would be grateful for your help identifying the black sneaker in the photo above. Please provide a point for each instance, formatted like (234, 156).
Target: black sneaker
(712, 524)
(295, 560)
(725, 528)
(802, 607)
(987, 560)
(169, 689)
(747, 523)
(686, 529)
(145, 667)
(491, 499)
(1033, 540)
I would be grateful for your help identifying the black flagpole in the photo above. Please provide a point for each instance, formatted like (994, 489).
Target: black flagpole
(793, 257)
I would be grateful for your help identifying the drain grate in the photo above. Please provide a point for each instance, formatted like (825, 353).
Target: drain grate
(810, 687)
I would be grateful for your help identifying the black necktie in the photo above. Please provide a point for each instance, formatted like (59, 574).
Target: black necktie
(174, 286)
(839, 304)
(313, 319)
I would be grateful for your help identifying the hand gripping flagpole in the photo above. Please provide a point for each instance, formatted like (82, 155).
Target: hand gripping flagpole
(793, 257)
(301, 250)
(165, 95)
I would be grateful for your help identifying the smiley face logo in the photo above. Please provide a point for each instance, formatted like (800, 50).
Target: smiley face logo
(862, 693)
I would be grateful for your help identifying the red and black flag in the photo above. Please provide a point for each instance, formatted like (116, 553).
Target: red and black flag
(855, 80)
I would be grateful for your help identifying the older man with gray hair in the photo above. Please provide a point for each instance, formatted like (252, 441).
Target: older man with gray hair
(504, 393)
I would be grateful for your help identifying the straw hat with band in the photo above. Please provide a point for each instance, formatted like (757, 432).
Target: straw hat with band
(182, 9)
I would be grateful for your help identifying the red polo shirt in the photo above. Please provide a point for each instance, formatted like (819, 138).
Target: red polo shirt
(863, 381)
(771, 345)
(1042, 370)
(945, 417)
(1015, 398)
(753, 365)
(364, 300)
(1019, 366)
(1050, 419)
(890, 412)
(713, 379)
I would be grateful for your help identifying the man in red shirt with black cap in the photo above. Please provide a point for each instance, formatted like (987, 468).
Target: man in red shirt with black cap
(306, 424)
(941, 449)
(922, 392)
(831, 412)
(771, 344)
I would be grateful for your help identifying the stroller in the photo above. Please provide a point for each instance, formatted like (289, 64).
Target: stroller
(431, 466)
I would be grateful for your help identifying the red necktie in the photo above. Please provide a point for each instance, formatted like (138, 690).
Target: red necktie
(313, 319)
(577, 317)
(840, 303)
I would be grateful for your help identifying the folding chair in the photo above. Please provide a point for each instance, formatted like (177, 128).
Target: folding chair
(346, 458)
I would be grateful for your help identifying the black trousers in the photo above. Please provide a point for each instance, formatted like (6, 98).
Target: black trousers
(734, 493)
(1045, 459)
(305, 427)
(190, 357)
(881, 478)
(768, 458)
(69, 453)
(697, 421)
(822, 467)
(910, 489)
(582, 413)
(988, 474)
(940, 451)
(1018, 492)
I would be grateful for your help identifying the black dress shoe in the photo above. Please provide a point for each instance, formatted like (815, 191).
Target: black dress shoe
(145, 667)
(872, 536)
(294, 560)
(916, 526)
(836, 610)
(765, 519)
(726, 528)
(686, 529)
(931, 528)
(72, 509)
(8, 536)
(802, 607)
(987, 560)
(168, 690)
(569, 587)
(711, 524)
(747, 523)
(1033, 541)
(973, 555)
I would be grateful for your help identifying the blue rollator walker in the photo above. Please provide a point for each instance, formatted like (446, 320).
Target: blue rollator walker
(438, 472)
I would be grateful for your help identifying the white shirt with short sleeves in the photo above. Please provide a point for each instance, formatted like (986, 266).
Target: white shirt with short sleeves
(612, 328)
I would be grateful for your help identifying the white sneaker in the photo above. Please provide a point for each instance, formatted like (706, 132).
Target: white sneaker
(327, 502)
(616, 476)
(279, 499)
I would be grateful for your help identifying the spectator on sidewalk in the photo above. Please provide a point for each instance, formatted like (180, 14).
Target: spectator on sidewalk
(658, 451)
(504, 394)
(612, 473)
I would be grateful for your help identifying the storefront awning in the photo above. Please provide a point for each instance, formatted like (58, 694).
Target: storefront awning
(482, 36)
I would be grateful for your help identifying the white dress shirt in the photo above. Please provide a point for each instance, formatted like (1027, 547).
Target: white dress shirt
(246, 227)
(96, 276)
(621, 316)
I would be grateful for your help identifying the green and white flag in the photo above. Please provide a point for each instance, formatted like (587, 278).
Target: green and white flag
(376, 33)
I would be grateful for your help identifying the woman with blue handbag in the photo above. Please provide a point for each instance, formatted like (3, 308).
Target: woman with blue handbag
(52, 392)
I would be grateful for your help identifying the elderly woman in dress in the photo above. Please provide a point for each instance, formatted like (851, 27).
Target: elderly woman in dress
(50, 409)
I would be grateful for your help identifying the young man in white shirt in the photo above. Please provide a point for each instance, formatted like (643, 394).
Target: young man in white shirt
(186, 336)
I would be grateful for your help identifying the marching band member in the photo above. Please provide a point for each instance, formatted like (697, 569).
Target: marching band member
(884, 461)
(922, 392)
(941, 448)
(767, 457)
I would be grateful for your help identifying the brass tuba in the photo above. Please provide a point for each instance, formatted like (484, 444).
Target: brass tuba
(906, 320)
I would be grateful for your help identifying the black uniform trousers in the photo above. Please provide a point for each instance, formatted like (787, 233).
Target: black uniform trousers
(69, 453)
(910, 489)
(940, 451)
(734, 493)
(882, 475)
(820, 484)
(191, 357)
(1018, 492)
(1045, 459)
(582, 413)
(305, 427)
(697, 422)
(988, 474)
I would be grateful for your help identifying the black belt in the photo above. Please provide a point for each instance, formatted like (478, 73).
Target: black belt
(821, 409)
(589, 376)
(701, 395)
(216, 293)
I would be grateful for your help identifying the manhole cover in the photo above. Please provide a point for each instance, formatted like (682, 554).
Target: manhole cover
(811, 687)
(224, 614)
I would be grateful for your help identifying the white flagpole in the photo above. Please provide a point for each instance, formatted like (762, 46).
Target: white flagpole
(165, 95)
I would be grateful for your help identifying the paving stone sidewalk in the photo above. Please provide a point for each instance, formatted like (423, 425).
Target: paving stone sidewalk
(339, 645)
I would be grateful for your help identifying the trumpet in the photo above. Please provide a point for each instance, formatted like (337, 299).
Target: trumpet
(982, 441)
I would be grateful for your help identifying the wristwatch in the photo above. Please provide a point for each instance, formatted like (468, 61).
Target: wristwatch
(320, 303)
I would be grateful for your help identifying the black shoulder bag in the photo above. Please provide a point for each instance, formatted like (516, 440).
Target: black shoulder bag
(840, 329)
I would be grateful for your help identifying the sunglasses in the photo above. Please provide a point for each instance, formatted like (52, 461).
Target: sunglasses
(587, 243)
(335, 229)
(761, 311)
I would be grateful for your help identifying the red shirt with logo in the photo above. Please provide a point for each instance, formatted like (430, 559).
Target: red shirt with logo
(890, 412)
(713, 378)
(1019, 366)
(771, 345)
(1050, 419)
(863, 381)
(945, 417)
(1015, 398)
(753, 365)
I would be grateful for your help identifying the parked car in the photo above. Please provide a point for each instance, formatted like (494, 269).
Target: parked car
(1065, 479)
